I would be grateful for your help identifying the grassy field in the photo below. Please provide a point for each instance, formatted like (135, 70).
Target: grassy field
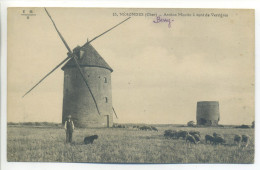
(123, 145)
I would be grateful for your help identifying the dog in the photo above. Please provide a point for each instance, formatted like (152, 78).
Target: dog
(90, 139)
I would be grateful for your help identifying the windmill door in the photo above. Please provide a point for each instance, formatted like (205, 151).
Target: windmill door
(107, 120)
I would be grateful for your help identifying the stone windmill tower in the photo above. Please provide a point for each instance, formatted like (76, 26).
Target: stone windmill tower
(77, 100)
(87, 85)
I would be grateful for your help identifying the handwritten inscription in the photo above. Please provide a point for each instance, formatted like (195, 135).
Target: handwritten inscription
(160, 19)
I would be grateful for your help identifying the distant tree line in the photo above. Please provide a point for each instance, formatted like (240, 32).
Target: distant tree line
(52, 124)
(192, 124)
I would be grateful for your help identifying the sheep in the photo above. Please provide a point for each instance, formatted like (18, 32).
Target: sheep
(154, 128)
(194, 132)
(217, 135)
(245, 139)
(145, 128)
(170, 133)
(209, 138)
(190, 138)
(197, 137)
(167, 133)
(182, 134)
(219, 140)
(237, 139)
(174, 134)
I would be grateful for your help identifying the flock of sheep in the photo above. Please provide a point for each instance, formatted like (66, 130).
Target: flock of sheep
(195, 137)
(144, 127)
(147, 128)
(191, 136)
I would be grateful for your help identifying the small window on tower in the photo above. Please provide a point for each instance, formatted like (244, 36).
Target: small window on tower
(105, 80)
(106, 99)
(81, 53)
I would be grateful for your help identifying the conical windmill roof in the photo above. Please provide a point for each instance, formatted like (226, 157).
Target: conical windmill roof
(88, 57)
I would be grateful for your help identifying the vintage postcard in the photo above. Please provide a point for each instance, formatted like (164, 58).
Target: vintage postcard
(131, 85)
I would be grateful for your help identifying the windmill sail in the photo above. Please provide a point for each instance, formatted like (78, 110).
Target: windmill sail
(85, 80)
(88, 42)
(46, 75)
(63, 40)
(114, 112)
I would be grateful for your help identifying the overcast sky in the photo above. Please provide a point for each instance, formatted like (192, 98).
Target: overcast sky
(159, 72)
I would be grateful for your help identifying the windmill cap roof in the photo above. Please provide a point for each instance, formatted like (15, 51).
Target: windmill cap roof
(88, 58)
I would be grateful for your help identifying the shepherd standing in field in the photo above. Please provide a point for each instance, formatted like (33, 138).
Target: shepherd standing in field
(69, 127)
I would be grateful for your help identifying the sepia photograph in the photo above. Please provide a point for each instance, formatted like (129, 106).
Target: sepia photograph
(131, 85)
